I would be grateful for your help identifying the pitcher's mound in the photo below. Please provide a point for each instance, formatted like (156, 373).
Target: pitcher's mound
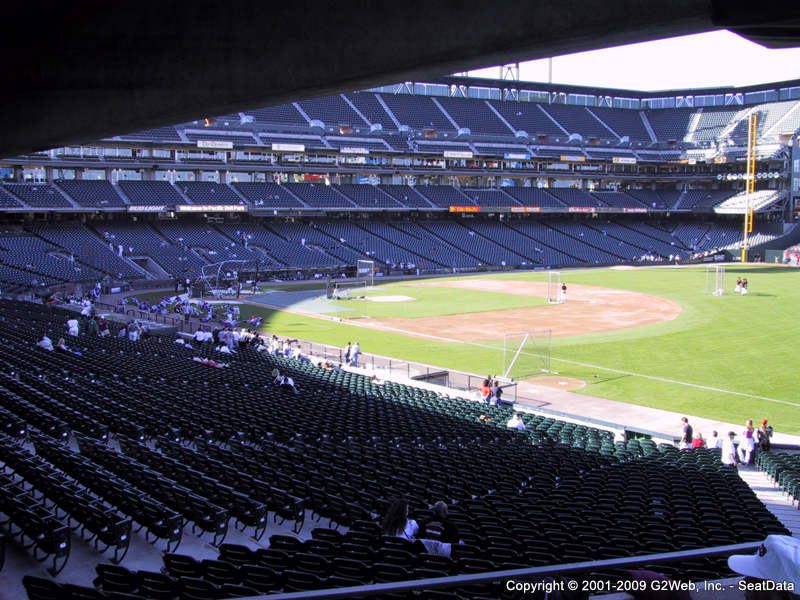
(557, 382)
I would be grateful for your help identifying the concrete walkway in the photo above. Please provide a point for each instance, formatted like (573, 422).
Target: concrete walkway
(630, 415)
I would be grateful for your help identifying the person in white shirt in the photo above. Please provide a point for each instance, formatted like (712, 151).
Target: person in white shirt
(729, 450)
(354, 352)
(72, 327)
(284, 382)
(714, 441)
(134, 331)
(516, 422)
(45, 343)
(201, 335)
(748, 443)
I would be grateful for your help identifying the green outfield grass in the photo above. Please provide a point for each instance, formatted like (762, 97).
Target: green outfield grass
(743, 347)
(431, 302)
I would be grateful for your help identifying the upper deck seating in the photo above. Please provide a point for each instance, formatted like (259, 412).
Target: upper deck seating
(151, 193)
(91, 193)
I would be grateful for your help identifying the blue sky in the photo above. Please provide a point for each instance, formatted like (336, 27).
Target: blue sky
(718, 58)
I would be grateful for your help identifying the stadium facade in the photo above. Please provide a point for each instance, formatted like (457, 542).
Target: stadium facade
(442, 175)
(449, 174)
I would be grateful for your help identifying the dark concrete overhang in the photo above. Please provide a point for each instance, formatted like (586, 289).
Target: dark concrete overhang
(78, 71)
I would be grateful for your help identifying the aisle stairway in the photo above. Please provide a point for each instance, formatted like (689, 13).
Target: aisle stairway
(775, 499)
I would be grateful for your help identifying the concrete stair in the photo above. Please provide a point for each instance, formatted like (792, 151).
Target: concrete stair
(775, 499)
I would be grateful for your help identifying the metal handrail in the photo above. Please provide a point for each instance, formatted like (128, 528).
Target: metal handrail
(369, 358)
(473, 381)
(521, 574)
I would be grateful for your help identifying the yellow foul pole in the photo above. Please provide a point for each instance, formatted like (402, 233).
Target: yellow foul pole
(750, 182)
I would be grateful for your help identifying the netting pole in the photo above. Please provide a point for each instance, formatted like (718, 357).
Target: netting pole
(553, 287)
(516, 354)
(366, 268)
(541, 339)
(715, 285)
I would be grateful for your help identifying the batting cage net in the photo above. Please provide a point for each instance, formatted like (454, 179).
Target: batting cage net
(526, 353)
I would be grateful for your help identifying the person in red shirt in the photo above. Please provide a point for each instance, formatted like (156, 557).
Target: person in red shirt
(698, 441)
(485, 391)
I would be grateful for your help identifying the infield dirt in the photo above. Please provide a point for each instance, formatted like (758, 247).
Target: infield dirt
(588, 309)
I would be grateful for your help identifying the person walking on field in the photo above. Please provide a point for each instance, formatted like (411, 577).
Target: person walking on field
(563, 292)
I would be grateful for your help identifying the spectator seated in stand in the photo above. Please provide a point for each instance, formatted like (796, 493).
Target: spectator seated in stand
(516, 422)
(210, 362)
(201, 335)
(397, 524)
(45, 343)
(438, 526)
(61, 346)
(284, 382)
(255, 321)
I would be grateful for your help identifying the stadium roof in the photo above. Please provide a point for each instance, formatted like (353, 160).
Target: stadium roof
(585, 89)
(83, 70)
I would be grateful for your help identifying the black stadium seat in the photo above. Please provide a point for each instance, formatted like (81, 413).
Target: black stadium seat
(340, 454)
